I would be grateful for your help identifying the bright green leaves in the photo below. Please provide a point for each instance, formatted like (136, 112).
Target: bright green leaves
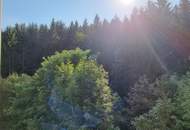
(79, 79)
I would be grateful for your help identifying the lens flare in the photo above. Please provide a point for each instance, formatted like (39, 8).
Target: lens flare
(127, 2)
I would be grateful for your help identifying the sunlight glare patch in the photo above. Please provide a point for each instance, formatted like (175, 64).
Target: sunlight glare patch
(127, 2)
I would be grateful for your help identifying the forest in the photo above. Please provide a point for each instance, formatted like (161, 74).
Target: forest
(130, 74)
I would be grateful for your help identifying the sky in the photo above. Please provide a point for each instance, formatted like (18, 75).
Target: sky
(43, 11)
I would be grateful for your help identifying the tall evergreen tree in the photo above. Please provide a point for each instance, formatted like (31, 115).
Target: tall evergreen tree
(85, 26)
(97, 22)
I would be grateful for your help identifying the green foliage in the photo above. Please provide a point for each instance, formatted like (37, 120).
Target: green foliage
(85, 85)
(159, 118)
(80, 37)
(23, 103)
(183, 101)
(51, 63)
(20, 111)
(93, 86)
(80, 81)
(23, 109)
(171, 112)
(4, 94)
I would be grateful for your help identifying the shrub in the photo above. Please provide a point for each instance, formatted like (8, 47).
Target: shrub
(79, 80)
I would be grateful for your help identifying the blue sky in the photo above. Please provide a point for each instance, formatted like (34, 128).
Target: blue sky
(42, 11)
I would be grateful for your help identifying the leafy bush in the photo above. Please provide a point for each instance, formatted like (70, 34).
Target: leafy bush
(183, 102)
(80, 81)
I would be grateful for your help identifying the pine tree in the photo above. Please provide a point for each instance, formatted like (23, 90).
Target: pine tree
(97, 22)
(85, 26)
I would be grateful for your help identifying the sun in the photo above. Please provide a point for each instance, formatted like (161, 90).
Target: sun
(127, 2)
